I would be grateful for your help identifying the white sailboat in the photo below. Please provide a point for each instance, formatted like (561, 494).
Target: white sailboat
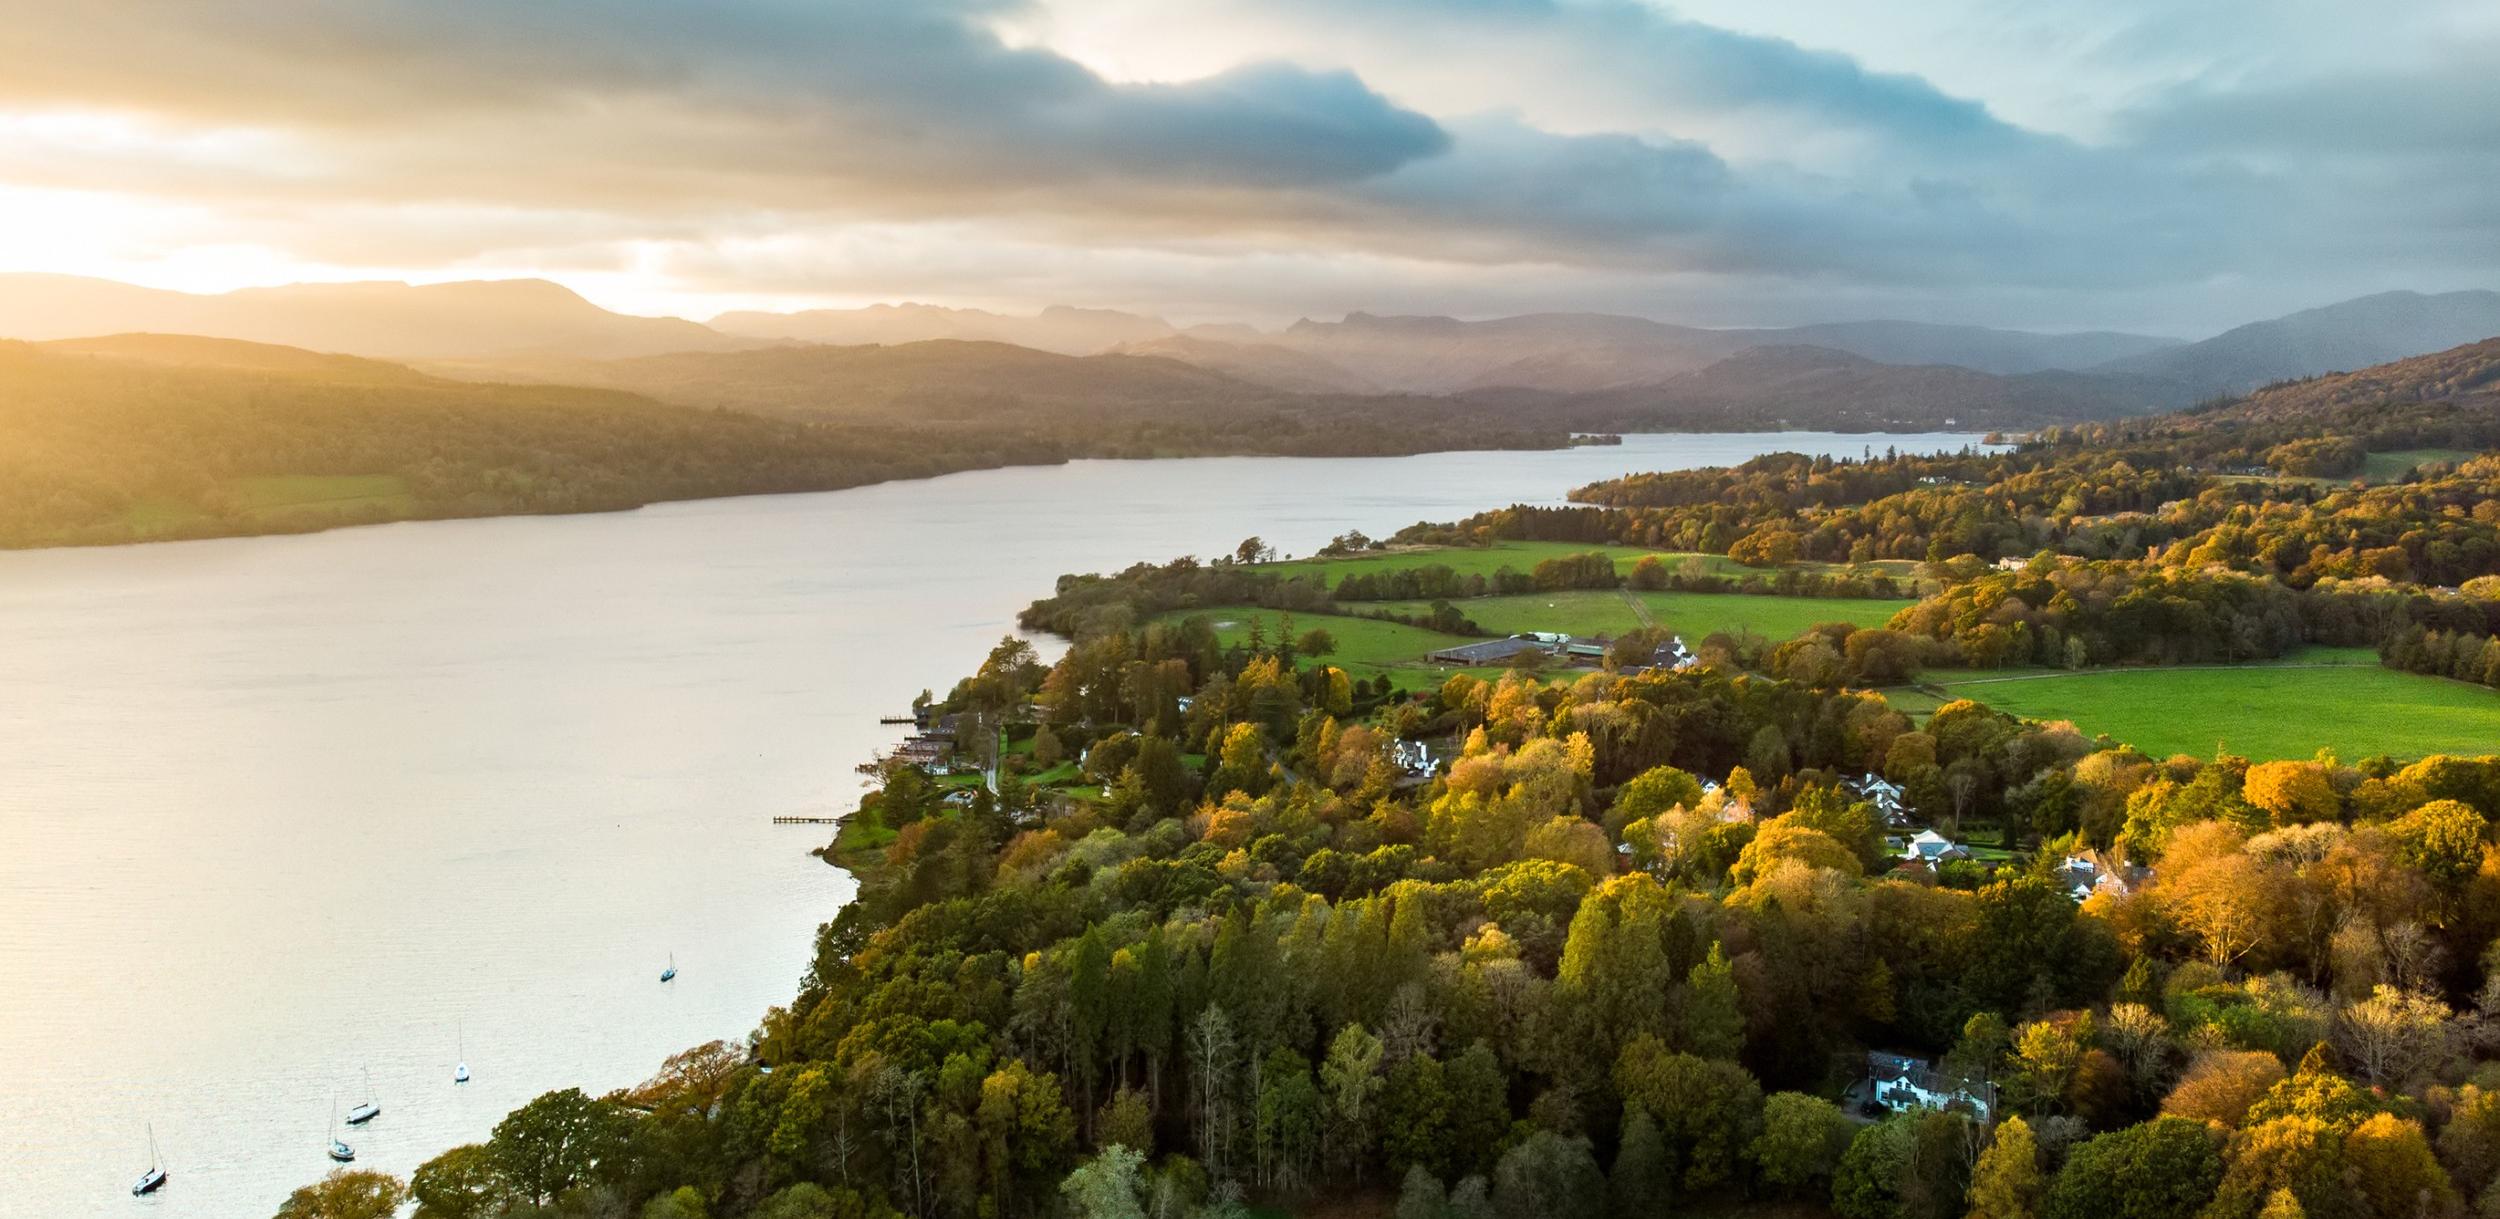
(339, 1151)
(368, 1109)
(154, 1178)
(670, 972)
(460, 1067)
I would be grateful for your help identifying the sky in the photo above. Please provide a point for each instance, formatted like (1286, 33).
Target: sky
(2130, 164)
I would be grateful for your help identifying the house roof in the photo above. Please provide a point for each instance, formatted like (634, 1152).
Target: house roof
(1490, 651)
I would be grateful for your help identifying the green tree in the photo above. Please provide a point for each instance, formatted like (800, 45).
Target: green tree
(2007, 1184)
(1421, 1196)
(1105, 1187)
(1713, 1023)
(1803, 1138)
(555, 1142)
(1643, 1182)
(1242, 763)
(1867, 1184)
(1289, 1118)
(1546, 1174)
(346, 1194)
(1479, 1096)
(1415, 1115)
(1127, 1120)
(2166, 1168)
(684, 1202)
(1351, 1081)
(805, 1200)
(1709, 1109)
(465, 1182)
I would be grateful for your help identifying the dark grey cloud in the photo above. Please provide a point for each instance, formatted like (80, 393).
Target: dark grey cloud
(1686, 157)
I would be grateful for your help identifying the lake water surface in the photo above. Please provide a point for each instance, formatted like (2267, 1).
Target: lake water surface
(279, 812)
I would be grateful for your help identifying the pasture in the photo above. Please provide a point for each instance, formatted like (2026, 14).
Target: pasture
(2315, 699)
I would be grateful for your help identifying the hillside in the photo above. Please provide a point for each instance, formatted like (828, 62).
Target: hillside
(1059, 328)
(1260, 363)
(143, 437)
(385, 320)
(1104, 405)
(1821, 388)
(2352, 334)
(938, 380)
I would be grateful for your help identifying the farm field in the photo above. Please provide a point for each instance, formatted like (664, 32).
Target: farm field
(1696, 616)
(2315, 699)
(2390, 466)
(1524, 556)
(1365, 647)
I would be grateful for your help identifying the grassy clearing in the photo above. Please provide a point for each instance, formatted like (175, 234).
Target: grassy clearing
(2315, 699)
(1524, 556)
(2388, 467)
(1696, 616)
(1365, 648)
(1576, 611)
(1693, 615)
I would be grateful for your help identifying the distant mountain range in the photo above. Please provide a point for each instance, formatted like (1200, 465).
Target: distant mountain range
(1821, 388)
(1060, 328)
(2467, 376)
(2354, 334)
(1576, 367)
(392, 321)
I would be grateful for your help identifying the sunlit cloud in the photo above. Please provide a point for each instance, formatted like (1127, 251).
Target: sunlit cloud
(2135, 164)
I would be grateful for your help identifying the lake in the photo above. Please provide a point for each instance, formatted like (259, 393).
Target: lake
(281, 814)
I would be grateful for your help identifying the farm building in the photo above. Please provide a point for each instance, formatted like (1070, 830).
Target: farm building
(1489, 652)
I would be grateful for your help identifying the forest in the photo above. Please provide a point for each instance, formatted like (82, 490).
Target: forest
(141, 438)
(1735, 937)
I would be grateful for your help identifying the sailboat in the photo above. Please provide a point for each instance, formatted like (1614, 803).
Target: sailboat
(460, 1069)
(339, 1151)
(671, 971)
(154, 1178)
(368, 1110)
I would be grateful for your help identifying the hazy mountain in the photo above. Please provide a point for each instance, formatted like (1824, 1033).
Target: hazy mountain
(1257, 362)
(935, 381)
(1979, 347)
(2466, 375)
(1579, 352)
(1560, 351)
(382, 319)
(1800, 386)
(2354, 334)
(1059, 328)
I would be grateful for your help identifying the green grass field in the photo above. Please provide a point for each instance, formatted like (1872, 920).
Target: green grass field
(2388, 467)
(1524, 556)
(2318, 698)
(1365, 648)
(1696, 616)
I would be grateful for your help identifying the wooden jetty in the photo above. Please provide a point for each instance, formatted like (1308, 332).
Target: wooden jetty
(807, 821)
(898, 719)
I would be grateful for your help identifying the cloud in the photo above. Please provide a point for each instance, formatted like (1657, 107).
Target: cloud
(1289, 152)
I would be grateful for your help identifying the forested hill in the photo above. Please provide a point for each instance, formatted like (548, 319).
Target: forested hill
(144, 437)
(141, 437)
(2468, 376)
(1817, 387)
(1103, 405)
